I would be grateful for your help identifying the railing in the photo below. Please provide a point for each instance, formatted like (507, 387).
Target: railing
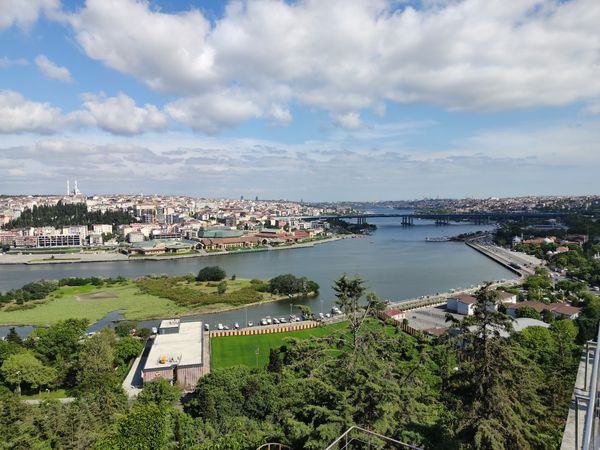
(356, 438)
(591, 429)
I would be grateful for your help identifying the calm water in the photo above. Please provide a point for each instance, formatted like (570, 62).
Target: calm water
(395, 261)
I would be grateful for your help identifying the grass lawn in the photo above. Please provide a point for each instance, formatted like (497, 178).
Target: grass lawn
(92, 303)
(241, 350)
(58, 393)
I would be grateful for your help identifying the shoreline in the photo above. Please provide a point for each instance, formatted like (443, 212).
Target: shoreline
(86, 258)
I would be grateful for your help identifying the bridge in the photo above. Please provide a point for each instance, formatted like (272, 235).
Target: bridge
(445, 218)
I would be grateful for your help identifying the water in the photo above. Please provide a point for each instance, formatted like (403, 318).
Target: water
(395, 262)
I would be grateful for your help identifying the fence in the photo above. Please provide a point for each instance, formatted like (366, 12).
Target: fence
(399, 323)
(355, 438)
(591, 429)
(263, 330)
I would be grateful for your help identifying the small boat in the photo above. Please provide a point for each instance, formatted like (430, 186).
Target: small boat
(437, 239)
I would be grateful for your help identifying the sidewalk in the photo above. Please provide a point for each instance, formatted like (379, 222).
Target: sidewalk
(568, 442)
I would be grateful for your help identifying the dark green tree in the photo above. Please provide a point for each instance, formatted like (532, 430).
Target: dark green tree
(211, 273)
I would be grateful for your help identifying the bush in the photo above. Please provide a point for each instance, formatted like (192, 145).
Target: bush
(211, 273)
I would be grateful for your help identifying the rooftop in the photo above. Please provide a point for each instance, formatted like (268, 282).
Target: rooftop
(183, 348)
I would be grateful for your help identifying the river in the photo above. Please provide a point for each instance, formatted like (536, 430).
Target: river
(395, 262)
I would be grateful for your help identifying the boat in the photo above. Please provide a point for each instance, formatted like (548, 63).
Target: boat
(437, 239)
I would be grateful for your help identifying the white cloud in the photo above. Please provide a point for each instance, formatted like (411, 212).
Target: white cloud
(120, 115)
(24, 13)
(117, 115)
(52, 70)
(547, 160)
(350, 121)
(345, 56)
(214, 110)
(592, 108)
(19, 115)
(7, 62)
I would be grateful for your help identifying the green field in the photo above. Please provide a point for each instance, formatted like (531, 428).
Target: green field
(241, 350)
(92, 303)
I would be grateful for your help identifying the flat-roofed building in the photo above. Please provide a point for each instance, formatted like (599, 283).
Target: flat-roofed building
(176, 354)
(62, 240)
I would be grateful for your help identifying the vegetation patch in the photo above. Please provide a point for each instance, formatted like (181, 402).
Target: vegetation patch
(243, 350)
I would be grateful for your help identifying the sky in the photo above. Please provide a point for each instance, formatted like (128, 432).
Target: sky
(309, 99)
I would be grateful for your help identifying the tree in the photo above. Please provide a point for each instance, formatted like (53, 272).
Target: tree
(61, 340)
(349, 293)
(95, 366)
(125, 328)
(160, 392)
(528, 311)
(490, 413)
(13, 337)
(222, 287)
(127, 348)
(211, 273)
(144, 427)
(24, 367)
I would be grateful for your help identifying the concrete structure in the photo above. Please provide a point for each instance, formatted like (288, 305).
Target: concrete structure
(68, 240)
(177, 354)
(396, 314)
(462, 304)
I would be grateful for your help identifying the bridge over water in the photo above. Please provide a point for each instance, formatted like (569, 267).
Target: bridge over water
(445, 218)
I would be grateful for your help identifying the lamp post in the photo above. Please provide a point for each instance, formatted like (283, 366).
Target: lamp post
(257, 353)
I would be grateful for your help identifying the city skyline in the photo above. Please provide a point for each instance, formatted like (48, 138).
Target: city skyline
(362, 100)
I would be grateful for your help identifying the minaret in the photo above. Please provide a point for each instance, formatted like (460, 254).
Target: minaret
(68, 189)
(76, 191)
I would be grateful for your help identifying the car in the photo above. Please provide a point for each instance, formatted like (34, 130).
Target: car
(283, 320)
(250, 324)
(263, 322)
(276, 321)
(236, 326)
(226, 327)
(206, 327)
(220, 326)
(328, 315)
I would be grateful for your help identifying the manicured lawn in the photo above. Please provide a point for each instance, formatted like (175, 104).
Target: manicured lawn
(241, 350)
(92, 303)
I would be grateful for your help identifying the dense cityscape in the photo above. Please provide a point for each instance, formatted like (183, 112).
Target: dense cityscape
(299, 225)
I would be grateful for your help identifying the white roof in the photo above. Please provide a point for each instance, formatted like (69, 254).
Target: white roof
(523, 322)
(183, 348)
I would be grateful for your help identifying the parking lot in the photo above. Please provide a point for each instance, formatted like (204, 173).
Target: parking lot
(424, 318)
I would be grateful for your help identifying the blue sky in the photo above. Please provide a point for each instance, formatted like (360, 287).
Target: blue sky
(337, 100)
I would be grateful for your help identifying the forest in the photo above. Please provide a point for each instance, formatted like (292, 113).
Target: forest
(68, 214)
(472, 389)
